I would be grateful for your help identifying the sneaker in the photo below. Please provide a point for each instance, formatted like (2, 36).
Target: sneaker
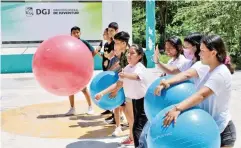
(125, 125)
(117, 131)
(90, 111)
(127, 141)
(106, 113)
(109, 118)
(110, 121)
(71, 111)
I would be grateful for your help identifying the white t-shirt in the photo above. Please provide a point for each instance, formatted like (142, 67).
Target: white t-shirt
(135, 89)
(181, 63)
(202, 71)
(217, 105)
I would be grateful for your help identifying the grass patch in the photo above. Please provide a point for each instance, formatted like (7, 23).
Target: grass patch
(164, 58)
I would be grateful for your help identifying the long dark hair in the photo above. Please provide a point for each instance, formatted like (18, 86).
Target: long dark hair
(195, 40)
(215, 42)
(139, 50)
(176, 43)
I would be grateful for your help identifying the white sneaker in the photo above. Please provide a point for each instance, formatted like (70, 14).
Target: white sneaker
(90, 111)
(117, 131)
(71, 111)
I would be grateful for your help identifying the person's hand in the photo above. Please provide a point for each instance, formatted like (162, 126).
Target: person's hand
(113, 94)
(170, 116)
(98, 96)
(122, 74)
(158, 90)
(156, 55)
(98, 49)
(163, 74)
(106, 63)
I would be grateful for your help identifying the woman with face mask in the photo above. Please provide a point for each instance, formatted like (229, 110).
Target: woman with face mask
(177, 63)
(213, 81)
(192, 47)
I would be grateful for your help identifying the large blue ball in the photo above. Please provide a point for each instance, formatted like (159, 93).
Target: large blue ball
(102, 81)
(194, 128)
(143, 136)
(174, 94)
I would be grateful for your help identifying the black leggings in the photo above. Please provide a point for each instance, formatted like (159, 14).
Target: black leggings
(140, 119)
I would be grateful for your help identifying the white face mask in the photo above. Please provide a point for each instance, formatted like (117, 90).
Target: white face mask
(188, 54)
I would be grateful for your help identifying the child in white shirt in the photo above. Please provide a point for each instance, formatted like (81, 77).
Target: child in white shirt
(132, 79)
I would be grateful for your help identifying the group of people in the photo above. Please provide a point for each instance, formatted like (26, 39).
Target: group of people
(202, 58)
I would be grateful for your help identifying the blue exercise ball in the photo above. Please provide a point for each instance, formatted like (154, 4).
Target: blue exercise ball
(194, 128)
(102, 81)
(143, 136)
(174, 94)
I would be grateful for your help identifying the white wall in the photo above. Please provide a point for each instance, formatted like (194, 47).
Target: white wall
(119, 11)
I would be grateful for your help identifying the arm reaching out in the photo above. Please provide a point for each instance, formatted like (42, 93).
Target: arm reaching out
(115, 87)
(190, 73)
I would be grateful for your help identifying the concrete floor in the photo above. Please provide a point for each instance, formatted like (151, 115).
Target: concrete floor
(18, 90)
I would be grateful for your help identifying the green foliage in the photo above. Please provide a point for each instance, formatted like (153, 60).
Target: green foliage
(138, 22)
(212, 17)
(164, 58)
(183, 17)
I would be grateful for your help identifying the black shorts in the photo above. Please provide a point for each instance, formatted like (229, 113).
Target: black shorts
(228, 136)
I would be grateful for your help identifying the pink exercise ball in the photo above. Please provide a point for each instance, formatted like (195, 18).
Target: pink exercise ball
(63, 65)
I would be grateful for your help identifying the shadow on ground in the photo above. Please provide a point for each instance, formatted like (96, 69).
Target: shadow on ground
(92, 144)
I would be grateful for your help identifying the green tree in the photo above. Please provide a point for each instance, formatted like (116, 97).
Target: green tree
(165, 12)
(211, 17)
(139, 22)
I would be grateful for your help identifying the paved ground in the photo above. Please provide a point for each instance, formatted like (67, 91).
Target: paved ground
(21, 90)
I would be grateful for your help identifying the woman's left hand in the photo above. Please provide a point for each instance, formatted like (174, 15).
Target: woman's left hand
(171, 115)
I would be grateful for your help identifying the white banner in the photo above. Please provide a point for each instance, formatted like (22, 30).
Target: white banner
(36, 21)
(120, 12)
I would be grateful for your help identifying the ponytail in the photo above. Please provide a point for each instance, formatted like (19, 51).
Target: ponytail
(229, 65)
(144, 60)
(215, 42)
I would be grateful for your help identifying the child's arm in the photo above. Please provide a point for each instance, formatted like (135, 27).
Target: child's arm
(117, 86)
(115, 67)
(91, 48)
(98, 50)
(131, 76)
(168, 69)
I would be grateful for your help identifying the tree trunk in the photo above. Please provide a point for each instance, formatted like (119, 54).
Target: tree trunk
(163, 18)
